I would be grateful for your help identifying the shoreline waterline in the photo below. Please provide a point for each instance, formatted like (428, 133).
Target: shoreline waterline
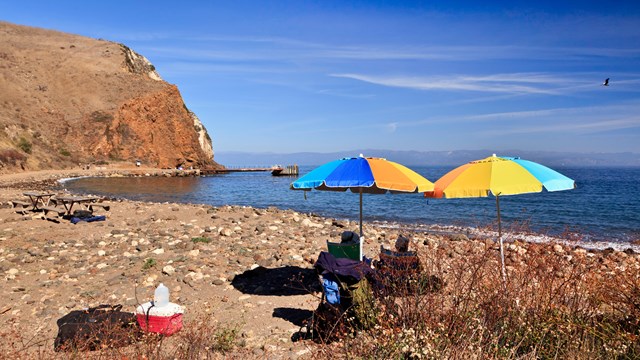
(441, 229)
(509, 237)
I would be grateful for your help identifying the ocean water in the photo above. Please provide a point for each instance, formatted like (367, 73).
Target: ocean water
(605, 206)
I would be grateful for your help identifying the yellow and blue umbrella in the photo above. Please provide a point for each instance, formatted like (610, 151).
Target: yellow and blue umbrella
(363, 175)
(499, 176)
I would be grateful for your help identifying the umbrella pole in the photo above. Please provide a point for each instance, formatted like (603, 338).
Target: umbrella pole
(361, 238)
(504, 270)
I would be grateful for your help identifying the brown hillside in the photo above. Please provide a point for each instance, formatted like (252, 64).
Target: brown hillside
(67, 99)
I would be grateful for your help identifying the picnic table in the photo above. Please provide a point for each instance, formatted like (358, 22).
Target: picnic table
(69, 201)
(38, 198)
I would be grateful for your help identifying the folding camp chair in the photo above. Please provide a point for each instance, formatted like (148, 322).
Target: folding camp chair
(348, 248)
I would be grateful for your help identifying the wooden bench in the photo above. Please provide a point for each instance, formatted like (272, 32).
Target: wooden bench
(24, 204)
(47, 209)
(106, 207)
(21, 206)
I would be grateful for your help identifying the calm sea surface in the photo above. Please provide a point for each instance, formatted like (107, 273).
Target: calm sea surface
(604, 206)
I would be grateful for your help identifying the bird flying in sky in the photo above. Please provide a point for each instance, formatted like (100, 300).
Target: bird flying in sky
(606, 82)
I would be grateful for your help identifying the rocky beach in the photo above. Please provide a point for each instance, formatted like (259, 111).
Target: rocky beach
(246, 267)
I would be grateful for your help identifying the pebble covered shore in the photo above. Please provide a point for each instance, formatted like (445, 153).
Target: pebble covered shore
(233, 262)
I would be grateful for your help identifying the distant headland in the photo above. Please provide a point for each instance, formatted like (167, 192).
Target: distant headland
(435, 158)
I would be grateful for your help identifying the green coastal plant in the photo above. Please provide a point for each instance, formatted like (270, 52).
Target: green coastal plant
(65, 152)
(24, 145)
(201, 239)
(225, 339)
(149, 263)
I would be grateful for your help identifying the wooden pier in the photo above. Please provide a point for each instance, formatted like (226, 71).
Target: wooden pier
(227, 170)
(276, 170)
(290, 170)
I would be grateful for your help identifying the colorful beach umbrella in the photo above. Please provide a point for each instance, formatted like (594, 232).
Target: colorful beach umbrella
(363, 175)
(499, 176)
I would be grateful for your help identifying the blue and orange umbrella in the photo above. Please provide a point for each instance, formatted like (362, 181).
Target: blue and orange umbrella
(363, 175)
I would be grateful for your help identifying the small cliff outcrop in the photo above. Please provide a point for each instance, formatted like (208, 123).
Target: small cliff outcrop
(67, 100)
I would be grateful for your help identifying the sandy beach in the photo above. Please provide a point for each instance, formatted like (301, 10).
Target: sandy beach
(232, 262)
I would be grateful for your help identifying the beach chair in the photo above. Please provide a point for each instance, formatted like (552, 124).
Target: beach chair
(344, 250)
(346, 302)
(399, 272)
(348, 248)
(404, 262)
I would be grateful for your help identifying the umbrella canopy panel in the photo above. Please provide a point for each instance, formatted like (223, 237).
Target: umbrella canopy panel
(369, 175)
(499, 176)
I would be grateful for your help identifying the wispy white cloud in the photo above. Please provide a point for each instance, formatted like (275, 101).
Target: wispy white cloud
(577, 128)
(518, 83)
(584, 117)
(531, 114)
(562, 113)
(289, 48)
(221, 68)
(339, 93)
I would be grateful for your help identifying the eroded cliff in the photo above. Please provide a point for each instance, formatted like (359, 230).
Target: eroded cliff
(67, 100)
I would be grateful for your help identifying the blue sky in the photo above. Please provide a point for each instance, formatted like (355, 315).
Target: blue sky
(324, 76)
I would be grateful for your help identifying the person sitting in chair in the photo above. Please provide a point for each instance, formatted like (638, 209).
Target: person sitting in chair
(398, 270)
(349, 237)
(402, 244)
(401, 258)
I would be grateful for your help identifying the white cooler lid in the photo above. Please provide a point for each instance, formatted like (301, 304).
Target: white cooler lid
(168, 310)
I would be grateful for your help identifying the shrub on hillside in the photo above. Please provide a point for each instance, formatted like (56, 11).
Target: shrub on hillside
(101, 116)
(24, 145)
(11, 157)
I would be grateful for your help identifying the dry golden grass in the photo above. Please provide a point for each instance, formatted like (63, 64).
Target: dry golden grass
(553, 306)
(202, 338)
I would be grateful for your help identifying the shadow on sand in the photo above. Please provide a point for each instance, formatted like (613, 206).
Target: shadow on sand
(295, 316)
(282, 281)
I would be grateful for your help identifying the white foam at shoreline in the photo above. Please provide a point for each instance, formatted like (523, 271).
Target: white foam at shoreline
(64, 180)
(509, 237)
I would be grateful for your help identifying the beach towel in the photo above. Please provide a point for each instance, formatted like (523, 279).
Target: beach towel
(331, 289)
(75, 220)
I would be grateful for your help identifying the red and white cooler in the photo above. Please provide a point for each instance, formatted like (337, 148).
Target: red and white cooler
(165, 320)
